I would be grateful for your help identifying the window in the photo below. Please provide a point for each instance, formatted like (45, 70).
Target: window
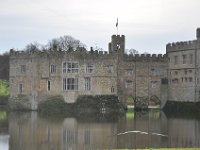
(129, 84)
(191, 58)
(87, 84)
(48, 85)
(64, 84)
(184, 59)
(186, 80)
(190, 71)
(23, 69)
(64, 67)
(20, 88)
(176, 72)
(110, 68)
(52, 68)
(70, 84)
(185, 71)
(153, 84)
(70, 67)
(89, 68)
(175, 60)
(112, 89)
(175, 81)
(129, 72)
(190, 79)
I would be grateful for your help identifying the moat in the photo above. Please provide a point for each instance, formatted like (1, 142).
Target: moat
(153, 129)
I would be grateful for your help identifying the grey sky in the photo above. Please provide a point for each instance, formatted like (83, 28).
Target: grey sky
(147, 24)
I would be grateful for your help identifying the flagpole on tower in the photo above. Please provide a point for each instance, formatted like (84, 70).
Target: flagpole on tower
(117, 26)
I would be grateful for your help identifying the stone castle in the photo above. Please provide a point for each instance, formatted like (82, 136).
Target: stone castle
(173, 76)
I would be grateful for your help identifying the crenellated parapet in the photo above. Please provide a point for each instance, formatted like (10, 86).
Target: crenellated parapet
(59, 54)
(179, 46)
(146, 57)
(116, 37)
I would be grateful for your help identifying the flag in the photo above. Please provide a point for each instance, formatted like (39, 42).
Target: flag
(117, 23)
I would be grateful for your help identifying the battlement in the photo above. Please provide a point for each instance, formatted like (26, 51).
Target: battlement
(145, 57)
(118, 36)
(77, 54)
(186, 45)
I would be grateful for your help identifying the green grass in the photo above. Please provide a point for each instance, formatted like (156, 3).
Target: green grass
(164, 149)
(3, 115)
(4, 88)
(130, 113)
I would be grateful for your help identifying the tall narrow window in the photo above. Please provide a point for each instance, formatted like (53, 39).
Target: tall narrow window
(191, 58)
(184, 59)
(64, 84)
(175, 60)
(48, 85)
(89, 68)
(110, 68)
(64, 67)
(112, 89)
(20, 88)
(52, 68)
(23, 69)
(87, 84)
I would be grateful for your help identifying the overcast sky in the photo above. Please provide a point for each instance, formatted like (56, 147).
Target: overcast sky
(147, 24)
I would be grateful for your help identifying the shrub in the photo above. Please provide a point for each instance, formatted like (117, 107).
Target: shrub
(52, 105)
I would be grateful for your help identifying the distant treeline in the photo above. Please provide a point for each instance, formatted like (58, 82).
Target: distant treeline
(4, 66)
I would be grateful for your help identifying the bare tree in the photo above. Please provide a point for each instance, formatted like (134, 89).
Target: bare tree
(33, 47)
(65, 43)
(132, 51)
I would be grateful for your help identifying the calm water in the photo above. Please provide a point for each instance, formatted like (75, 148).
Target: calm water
(30, 131)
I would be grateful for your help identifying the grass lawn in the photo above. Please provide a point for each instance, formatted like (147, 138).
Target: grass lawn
(164, 149)
(4, 91)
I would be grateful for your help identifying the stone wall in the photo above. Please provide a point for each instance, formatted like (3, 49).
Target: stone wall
(36, 74)
(183, 71)
(147, 72)
(114, 73)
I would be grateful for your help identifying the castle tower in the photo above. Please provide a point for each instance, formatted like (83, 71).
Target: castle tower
(117, 44)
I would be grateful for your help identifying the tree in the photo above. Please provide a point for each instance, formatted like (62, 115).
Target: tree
(4, 67)
(33, 47)
(65, 43)
(132, 51)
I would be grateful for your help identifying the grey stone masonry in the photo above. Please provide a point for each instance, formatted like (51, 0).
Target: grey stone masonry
(40, 74)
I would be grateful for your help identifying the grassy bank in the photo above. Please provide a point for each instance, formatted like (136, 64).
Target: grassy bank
(4, 92)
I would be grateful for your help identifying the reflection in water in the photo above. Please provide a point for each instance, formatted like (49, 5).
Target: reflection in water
(4, 137)
(29, 131)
